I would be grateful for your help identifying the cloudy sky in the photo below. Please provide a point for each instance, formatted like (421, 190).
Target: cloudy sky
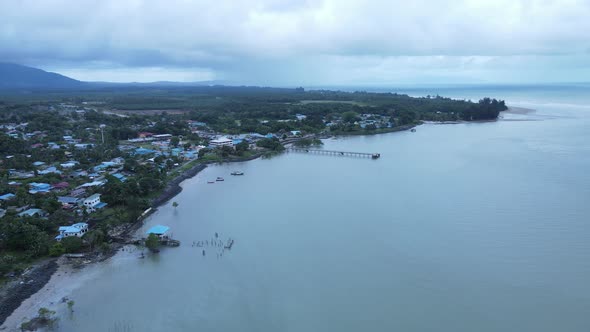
(302, 42)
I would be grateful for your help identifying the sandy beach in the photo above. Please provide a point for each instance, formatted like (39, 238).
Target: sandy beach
(61, 284)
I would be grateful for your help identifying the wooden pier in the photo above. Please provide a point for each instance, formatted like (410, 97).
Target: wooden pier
(336, 153)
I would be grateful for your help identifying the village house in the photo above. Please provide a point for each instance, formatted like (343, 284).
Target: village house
(68, 201)
(39, 187)
(222, 141)
(7, 197)
(78, 192)
(93, 203)
(32, 213)
(78, 230)
(49, 170)
(69, 164)
(159, 230)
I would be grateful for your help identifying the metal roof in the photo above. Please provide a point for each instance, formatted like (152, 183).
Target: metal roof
(158, 230)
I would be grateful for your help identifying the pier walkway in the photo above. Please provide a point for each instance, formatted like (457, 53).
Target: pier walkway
(335, 153)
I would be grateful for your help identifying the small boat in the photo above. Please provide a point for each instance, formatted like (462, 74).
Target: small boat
(237, 173)
(210, 181)
(219, 178)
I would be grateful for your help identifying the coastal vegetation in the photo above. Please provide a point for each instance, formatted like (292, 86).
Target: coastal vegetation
(45, 318)
(152, 242)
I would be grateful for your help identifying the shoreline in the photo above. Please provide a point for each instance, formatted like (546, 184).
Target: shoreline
(51, 277)
(52, 285)
(44, 291)
(15, 292)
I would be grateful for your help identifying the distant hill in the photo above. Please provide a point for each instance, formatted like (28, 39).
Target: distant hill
(13, 76)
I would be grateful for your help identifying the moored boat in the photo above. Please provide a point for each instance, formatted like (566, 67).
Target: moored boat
(237, 173)
(219, 178)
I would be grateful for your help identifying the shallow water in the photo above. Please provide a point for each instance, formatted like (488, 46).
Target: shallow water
(465, 227)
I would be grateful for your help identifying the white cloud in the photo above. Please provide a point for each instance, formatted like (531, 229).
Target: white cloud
(279, 41)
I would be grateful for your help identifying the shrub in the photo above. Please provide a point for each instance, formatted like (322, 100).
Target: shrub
(57, 250)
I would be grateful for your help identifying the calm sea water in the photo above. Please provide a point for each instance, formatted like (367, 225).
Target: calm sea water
(466, 227)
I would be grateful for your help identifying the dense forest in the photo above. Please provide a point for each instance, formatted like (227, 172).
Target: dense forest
(271, 103)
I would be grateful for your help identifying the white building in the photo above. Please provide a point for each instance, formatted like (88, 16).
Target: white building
(78, 230)
(93, 203)
(92, 200)
(222, 141)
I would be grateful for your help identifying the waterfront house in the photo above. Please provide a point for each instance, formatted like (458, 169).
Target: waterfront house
(38, 163)
(144, 134)
(160, 230)
(78, 230)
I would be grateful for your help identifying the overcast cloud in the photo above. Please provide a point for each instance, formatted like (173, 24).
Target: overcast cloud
(331, 42)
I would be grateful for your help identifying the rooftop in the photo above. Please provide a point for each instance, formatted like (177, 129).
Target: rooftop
(158, 230)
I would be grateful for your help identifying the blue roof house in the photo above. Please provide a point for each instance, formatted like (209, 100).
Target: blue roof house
(144, 151)
(39, 187)
(78, 229)
(160, 230)
(176, 152)
(68, 200)
(49, 170)
(32, 213)
(120, 177)
(7, 197)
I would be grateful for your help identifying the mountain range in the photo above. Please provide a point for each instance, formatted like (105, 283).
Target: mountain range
(18, 77)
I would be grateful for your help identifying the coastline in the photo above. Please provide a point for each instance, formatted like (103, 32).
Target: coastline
(377, 131)
(15, 292)
(54, 279)
(58, 283)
